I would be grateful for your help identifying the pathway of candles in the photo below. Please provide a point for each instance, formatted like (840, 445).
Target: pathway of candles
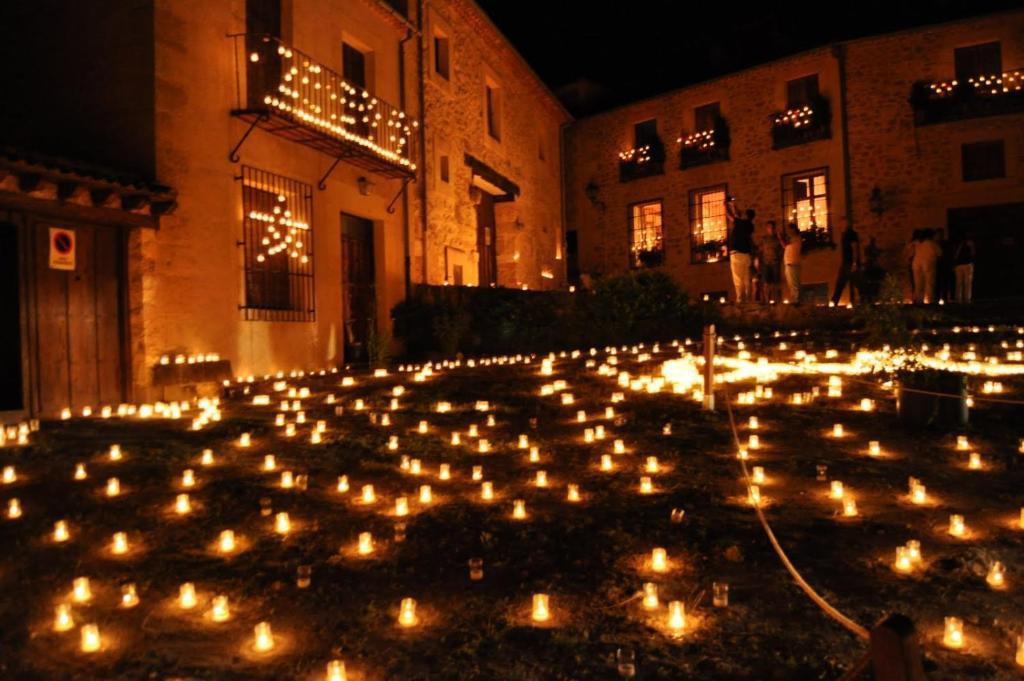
(520, 518)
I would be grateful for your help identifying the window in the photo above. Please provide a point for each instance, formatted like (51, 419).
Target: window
(277, 229)
(441, 56)
(646, 236)
(801, 91)
(443, 169)
(353, 65)
(645, 132)
(805, 202)
(983, 160)
(263, 17)
(400, 6)
(978, 60)
(705, 117)
(493, 104)
(708, 224)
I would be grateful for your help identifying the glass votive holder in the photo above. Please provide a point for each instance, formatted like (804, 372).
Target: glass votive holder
(302, 482)
(625, 662)
(476, 569)
(304, 576)
(266, 506)
(720, 594)
(677, 515)
(822, 472)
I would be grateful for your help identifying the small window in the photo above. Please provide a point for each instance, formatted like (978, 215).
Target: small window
(353, 65)
(493, 111)
(645, 132)
(978, 60)
(805, 202)
(277, 229)
(400, 6)
(801, 91)
(708, 224)
(646, 235)
(443, 168)
(441, 56)
(983, 160)
(705, 117)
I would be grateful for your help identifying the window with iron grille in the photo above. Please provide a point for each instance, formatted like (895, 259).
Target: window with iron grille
(708, 224)
(646, 235)
(277, 235)
(983, 160)
(805, 202)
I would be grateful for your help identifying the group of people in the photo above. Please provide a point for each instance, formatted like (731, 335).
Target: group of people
(940, 270)
(773, 256)
(760, 264)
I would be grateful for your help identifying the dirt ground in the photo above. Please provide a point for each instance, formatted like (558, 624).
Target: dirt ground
(591, 557)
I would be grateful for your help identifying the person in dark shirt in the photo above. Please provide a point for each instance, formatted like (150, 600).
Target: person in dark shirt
(848, 264)
(741, 249)
(963, 268)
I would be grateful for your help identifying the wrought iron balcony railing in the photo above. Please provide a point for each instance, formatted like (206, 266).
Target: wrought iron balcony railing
(975, 97)
(642, 161)
(287, 92)
(802, 124)
(704, 147)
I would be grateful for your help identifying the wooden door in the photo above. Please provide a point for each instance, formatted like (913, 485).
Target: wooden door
(358, 285)
(78, 338)
(11, 384)
(998, 243)
(486, 244)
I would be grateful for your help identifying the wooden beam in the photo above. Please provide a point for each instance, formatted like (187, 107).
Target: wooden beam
(28, 182)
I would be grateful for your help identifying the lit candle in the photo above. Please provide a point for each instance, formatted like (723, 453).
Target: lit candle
(9, 475)
(599, 432)
(182, 505)
(541, 479)
(282, 524)
(207, 458)
(659, 560)
(220, 611)
(490, 420)
(962, 443)
(456, 439)
(187, 596)
(676, 617)
(289, 430)
(342, 483)
(534, 454)
(473, 431)
(836, 490)
(609, 412)
(244, 440)
(263, 637)
(407, 613)
(753, 442)
(996, 577)
(651, 464)
(541, 611)
(646, 486)
(415, 466)
(426, 495)
(867, 404)
(974, 461)
(287, 480)
(401, 506)
(524, 442)
(226, 541)
(113, 487)
(650, 595)
(188, 478)
(837, 430)
(115, 452)
(423, 427)
(80, 473)
(914, 550)
(368, 494)
(81, 592)
(129, 596)
(269, 462)
(849, 507)
(956, 525)
(573, 493)
(918, 493)
(758, 476)
(954, 633)
(519, 509)
(336, 671)
(60, 531)
(903, 560)
(62, 620)
(743, 454)
(365, 544)
(874, 448)
(444, 472)
(487, 491)
(754, 495)
(606, 462)
(581, 416)
(91, 641)
(484, 446)
(620, 447)
(119, 546)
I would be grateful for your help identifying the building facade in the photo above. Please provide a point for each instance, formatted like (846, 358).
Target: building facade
(272, 196)
(917, 129)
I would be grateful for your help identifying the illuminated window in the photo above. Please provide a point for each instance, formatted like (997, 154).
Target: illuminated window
(805, 202)
(646, 235)
(978, 60)
(708, 224)
(277, 230)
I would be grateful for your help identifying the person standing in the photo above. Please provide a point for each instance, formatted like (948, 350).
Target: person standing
(925, 260)
(963, 268)
(849, 262)
(792, 256)
(741, 249)
(770, 251)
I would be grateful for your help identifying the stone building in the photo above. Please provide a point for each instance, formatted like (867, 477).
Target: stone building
(245, 185)
(870, 133)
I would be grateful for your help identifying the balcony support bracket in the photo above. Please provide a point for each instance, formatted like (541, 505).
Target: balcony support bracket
(405, 183)
(260, 118)
(322, 184)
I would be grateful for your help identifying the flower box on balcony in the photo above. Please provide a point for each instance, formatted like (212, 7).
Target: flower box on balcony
(976, 97)
(802, 124)
(642, 161)
(704, 147)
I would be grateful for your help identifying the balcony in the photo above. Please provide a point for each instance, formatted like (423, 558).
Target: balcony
(803, 124)
(642, 161)
(707, 146)
(288, 93)
(976, 97)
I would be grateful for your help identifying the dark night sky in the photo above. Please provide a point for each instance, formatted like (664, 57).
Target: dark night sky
(624, 50)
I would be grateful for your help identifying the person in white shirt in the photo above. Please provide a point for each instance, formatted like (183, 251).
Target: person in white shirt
(923, 264)
(791, 259)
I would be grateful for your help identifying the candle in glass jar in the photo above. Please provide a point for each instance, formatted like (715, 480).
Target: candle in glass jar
(342, 483)
(426, 494)
(957, 528)
(456, 439)
(182, 504)
(226, 541)
(519, 509)
(619, 447)
(754, 495)
(81, 592)
(534, 454)
(60, 531)
(368, 494)
(836, 489)
(119, 545)
(115, 452)
(129, 596)
(758, 475)
(336, 671)
(996, 577)
(606, 462)
(220, 611)
(401, 506)
(650, 598)
(974, 461)
(407, 613)
(282, 523)
(365, 547)
(849, 507)
(244, 440)
(659, 560)
(91, 641)
(478, 473)
(444, 471)
(573, 493)
(541, 611)
(646, 486)
(676, 617)
(269, 462)
(113, 487)
(188, 478)
(953, 637)
(62, 620)
(263, 637)
(80, 473)
(651, 464)
(541, 479)
(837, 430)
(753, 442)
(415, 467)
(904, 563)
(207, 458)
(487, 491)
(187, 596)
(961, 443)
(9, 475)
(483, 446)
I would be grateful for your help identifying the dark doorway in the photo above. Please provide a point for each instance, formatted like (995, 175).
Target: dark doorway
(999, 242)
(262, 27)
(359, 294)
(11, 388)
(486, 237)
(572, 256)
